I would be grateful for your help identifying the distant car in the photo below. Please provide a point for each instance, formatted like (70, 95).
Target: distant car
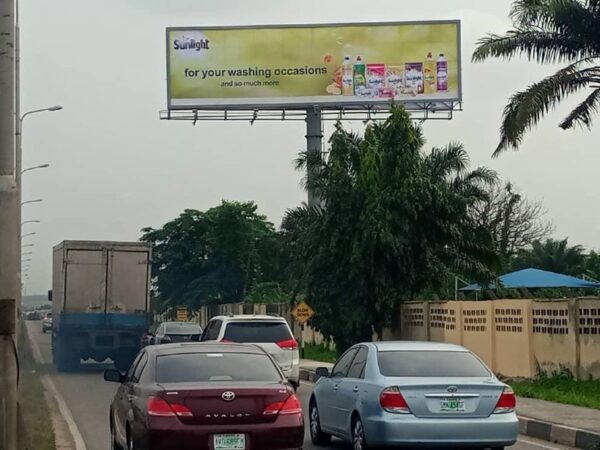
(412, 393)
(33, 315)
(204, 396)
(271, 333)
(172, 332)
(47, 322)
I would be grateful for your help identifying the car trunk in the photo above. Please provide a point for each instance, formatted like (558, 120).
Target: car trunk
(445, 397)
(284, 357)
(183, 337)
(208, 403)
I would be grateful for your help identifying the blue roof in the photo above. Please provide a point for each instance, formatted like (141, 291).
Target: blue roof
(536, 278)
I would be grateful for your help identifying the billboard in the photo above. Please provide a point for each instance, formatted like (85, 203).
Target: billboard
(295, 67)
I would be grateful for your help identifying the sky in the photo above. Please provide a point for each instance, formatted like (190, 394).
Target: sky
(116, 168)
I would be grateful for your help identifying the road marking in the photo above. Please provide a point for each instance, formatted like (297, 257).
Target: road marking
(62, 405)
(528, 442)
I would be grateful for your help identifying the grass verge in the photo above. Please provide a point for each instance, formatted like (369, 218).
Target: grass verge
(35, 423)
(320, 353)
(560, 389)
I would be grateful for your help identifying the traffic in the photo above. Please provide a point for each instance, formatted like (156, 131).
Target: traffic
(233, 384)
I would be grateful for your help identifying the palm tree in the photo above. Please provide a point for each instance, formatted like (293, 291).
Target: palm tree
(549, 32)
(552, 255)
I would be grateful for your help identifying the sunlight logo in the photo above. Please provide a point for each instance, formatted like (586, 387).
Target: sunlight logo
(191, 44)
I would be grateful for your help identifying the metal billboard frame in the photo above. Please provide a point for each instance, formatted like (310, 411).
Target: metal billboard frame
(425, 106)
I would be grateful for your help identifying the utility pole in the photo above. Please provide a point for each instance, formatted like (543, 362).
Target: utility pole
(9, 229)
(314, 147)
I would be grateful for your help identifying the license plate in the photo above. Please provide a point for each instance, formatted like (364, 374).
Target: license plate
(229, 441)
(452, 405)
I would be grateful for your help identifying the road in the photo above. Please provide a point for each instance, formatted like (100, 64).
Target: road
(88, 397)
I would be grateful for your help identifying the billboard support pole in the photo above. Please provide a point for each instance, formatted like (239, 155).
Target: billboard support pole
(314, 147)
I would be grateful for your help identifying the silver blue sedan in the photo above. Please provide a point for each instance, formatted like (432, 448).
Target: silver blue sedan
(412, 393)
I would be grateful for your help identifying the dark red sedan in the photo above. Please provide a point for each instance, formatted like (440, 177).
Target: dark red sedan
(204, 396)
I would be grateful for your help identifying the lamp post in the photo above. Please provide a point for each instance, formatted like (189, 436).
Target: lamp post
(32, 201)
(41, 166)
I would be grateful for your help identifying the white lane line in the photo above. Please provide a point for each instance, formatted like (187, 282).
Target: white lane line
(62, 405)
(537, 444)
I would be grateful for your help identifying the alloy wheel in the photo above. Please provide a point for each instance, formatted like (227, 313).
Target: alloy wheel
(314, 421)
(358, 436)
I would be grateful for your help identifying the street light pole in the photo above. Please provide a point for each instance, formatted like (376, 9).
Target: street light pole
(9, 231)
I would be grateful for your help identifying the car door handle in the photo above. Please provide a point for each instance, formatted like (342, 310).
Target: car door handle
(355, 389)
(335, 388)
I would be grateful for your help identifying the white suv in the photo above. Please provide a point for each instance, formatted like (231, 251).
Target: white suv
(272, 333)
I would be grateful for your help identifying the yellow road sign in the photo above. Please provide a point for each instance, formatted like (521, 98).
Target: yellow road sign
(302, 313)
(182, 313)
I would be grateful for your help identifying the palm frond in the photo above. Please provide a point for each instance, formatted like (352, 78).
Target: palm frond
(453, 158)
(582, 114)
(567, 17)
(526, 108)
(541, 46)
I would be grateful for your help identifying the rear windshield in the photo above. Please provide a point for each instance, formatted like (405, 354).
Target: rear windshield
(430, 364)
(198, 367)
(260, 332)
(183, 328)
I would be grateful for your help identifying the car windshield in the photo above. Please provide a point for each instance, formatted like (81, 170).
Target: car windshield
(254, 331)
(199, 367)
(445, 364)
(183, 328)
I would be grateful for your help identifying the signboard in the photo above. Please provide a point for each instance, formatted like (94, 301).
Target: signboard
(302, 313)
(329, 66)
(182, 313)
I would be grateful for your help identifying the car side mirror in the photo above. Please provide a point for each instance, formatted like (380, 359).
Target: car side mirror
(114, 376)
(322, 372)
(50, 295)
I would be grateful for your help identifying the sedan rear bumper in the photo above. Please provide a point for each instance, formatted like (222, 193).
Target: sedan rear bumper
(398, 429)
(286, 433)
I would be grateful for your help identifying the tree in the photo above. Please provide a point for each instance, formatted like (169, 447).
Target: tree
(552, 255)
(393, 221)
(212, 256)
(592, 265)
(514, 221)
(549, 32)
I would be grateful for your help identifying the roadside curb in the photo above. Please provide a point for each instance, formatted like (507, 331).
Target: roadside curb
(63, 409)
(535, 428)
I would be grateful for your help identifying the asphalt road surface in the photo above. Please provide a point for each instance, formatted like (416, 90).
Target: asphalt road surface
(88, 397)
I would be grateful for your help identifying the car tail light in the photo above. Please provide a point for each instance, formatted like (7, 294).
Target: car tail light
(289, 343)
(507, 402)
(157, 407)
(290, 406)
(391, 400)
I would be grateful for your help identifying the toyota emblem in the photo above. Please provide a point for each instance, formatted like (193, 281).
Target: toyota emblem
(228, 396)
(452, 389)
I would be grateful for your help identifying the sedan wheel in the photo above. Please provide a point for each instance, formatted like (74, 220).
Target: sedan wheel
(358, 436)
(316, 434)
(113, 439)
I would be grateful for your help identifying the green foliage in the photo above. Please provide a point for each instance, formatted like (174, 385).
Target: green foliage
(560, 388)
(212, 256)
(552, 255)
(549, 32)
(320, 353)
(394, 222)
(268, 292)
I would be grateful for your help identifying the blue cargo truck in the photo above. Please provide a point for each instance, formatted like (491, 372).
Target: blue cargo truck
(100, 300)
